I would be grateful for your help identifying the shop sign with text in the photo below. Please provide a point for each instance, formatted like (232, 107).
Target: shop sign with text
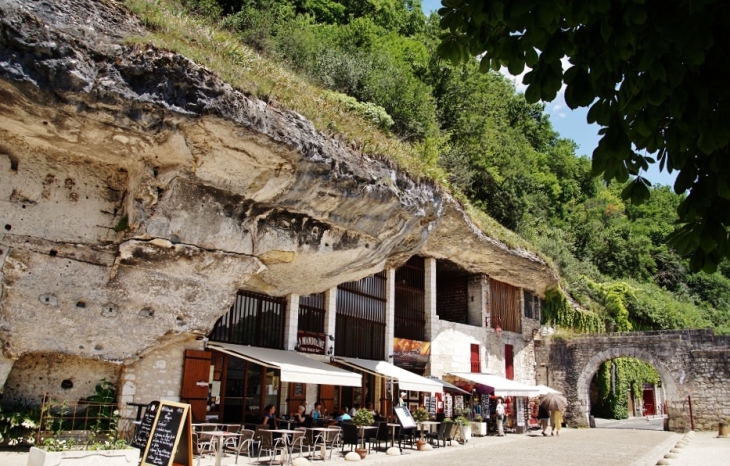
(411, 354)
(310, 342)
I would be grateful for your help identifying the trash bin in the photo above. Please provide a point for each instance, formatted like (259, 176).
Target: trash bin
(591, 422)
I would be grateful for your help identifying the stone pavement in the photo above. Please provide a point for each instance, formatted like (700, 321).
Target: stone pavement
(595, 447)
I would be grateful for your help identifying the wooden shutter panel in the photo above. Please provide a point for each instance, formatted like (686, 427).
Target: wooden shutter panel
(196, 369)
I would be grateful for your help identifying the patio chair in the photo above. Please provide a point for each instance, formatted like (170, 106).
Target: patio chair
(440, 435)
(271, 446)
(405, 436)
(202, 446)
(350, 436)
(332, 439)
(380, 435)
(243, 443)
(298, 442)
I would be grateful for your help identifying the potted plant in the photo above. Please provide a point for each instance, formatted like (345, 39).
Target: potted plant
(464, 425)
(420, 415)
(479, 426)
(362, 418)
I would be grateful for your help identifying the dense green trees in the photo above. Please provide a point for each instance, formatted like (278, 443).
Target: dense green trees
(654, 76)
(379, 59)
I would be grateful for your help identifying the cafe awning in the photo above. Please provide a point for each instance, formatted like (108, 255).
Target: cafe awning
(500, 385)
(448, 387)
(294, 366)
(406, 380)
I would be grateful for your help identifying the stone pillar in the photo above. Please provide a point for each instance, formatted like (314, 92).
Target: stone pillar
(430, 299)
(330, 316)
(5, 366)
(291, 322)
(389, 312)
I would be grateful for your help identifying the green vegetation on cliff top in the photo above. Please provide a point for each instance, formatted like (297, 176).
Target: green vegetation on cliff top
(367, 72)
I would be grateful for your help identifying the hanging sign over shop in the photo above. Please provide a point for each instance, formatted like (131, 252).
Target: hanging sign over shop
(411, 355)
(310, 342)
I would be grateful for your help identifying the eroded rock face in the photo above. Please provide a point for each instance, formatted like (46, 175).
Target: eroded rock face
(139, 192)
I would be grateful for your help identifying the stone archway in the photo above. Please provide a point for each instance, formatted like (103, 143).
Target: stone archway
(673, 397)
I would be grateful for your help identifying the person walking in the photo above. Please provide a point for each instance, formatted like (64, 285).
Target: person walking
(543, 416)
(499, 410)
(556, 418)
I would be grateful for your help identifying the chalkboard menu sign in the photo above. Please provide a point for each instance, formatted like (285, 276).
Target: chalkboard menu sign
(170, 440)
(142, 434)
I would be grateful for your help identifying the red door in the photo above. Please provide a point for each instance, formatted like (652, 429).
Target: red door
(649, 405)
(475, 365)
(509, 366)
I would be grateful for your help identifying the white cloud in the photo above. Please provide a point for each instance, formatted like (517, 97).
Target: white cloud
(562, 114)
(520, 87)
(557, 107)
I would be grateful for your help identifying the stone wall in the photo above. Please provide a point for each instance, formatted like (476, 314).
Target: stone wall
(62, 377)
(157, 375)
(691, 363)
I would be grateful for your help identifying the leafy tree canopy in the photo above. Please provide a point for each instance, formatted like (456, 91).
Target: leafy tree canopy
(654, 74)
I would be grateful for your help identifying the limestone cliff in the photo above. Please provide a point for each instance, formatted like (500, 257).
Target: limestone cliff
(139, 192)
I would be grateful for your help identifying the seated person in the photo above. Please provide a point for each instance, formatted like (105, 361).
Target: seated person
(269, 418)
(317, 413)
(343, 417)
(371, 409)
(354, 409)
(299, 418)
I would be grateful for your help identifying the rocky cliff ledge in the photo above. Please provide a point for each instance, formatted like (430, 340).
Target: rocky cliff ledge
(139, 192)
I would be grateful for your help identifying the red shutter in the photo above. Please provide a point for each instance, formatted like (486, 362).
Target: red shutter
(509, 367)
(196, 369)
(475, 365)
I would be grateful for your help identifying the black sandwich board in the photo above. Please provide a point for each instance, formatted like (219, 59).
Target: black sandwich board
(170, 441)
(142, 433)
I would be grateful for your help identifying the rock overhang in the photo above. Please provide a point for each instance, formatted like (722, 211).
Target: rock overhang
(143, 186)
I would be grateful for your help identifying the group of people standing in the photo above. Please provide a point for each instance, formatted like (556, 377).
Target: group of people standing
(555, 417)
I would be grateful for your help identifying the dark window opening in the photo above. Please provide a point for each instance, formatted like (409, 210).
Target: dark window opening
(452, 292)
(532, 306)
(254, 319)
(360, 326)
(311, 313)
(410, 299)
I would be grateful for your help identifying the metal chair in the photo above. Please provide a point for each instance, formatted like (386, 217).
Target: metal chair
(244, 442)
(349, 436)
(271, 446)
(381, 435)
(332, 439)
(298, 441)
(440, 435)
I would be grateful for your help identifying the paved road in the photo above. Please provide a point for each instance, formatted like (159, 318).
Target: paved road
(595, 447)
(638, 423)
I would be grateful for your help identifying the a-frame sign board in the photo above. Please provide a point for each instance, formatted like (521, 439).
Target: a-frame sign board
(171, 439)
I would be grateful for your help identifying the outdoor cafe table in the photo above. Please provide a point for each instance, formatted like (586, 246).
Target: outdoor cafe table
(429, 424)
(285, 433)
(221, 437)
(323, 429)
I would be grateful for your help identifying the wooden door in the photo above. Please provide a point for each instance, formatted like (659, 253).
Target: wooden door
(327, 398)
(649, 404)
(475, 364)
(196, 374)
(509, 364)
(297, 396)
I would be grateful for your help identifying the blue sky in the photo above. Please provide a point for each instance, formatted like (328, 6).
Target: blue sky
(572, 124)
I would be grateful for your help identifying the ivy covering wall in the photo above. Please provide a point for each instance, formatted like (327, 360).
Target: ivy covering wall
(614, 380)
(559, 313)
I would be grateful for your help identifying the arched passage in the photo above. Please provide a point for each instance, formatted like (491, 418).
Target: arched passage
(591, 367)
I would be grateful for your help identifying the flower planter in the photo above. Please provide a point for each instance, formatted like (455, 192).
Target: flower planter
(363, 452)
(465, 432)
(420, 444)
(479, 429)
(126, 457)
